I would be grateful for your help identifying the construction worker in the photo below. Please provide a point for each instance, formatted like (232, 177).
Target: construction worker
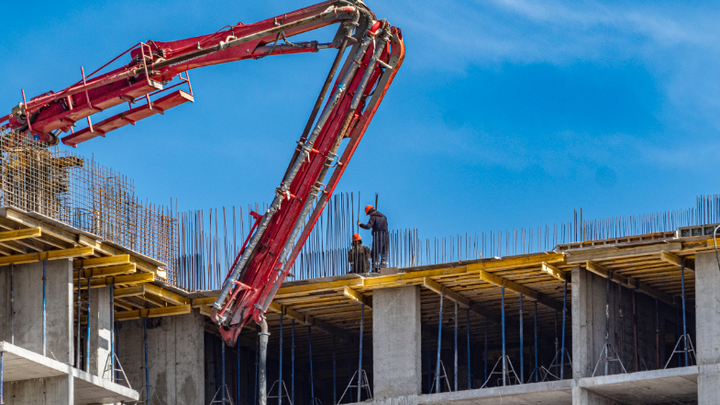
(381, 238)
(359, 256)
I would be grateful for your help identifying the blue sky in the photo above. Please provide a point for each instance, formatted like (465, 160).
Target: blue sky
(506, 113)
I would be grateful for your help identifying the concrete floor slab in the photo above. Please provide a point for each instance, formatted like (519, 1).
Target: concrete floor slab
(20, 364)
(543, 393)
(674, 386)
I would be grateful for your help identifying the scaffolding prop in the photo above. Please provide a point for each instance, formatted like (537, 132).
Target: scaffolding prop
(147, 392)
(562, 359)
(608, 354)
(442, 378)
(222, 395)
(359, 375)
(469, 368)
(507, 371)
(688, 350)
(439, 345)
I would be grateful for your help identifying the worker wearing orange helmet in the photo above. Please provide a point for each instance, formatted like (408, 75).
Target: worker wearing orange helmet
(359, 256)
(381, 238)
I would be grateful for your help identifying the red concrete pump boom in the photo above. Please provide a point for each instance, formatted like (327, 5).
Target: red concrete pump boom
(369, 53)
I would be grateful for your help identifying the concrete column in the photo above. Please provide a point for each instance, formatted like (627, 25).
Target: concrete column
(707, 312)
(28, 326)
(100, 330)
(396, 342)
(6, 315)
(588, 322)
(175, 357)
(42, 391)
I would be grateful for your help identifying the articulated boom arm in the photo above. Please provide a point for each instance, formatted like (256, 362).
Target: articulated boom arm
(376, 52)
(154, 64)
(369, 53)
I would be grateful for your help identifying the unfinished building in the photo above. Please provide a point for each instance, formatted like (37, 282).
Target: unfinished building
(104, 299)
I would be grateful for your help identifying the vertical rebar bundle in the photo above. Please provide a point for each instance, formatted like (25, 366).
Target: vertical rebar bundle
(199, 247)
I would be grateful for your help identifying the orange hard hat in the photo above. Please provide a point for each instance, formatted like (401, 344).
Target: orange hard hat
(356, 237)
(368, 208)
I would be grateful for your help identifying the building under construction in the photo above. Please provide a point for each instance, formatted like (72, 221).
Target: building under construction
(106, 299)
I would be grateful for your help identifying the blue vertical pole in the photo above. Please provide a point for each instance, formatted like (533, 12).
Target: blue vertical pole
(430, 376)
(469, 369)
(147, 372)
(237, 376)
(437, 359)
(502, 322)
(312, 381)
(562, 338)
(87, 335)
(292, 363)
(112, 333)
(537, 373)
(222, 361)
(485, 350)
(2, 381)
(44, 314)
(12, 304)
(522, 361)
(455, 373)
(682, 284)
(79, 313)
(280, 370)
(362, 330)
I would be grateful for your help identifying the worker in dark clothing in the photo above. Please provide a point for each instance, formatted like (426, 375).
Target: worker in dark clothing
(381, 238)
(359, 256)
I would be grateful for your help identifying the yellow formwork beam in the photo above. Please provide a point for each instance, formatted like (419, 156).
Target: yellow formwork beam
(415, 277)
(461, 300)
(20, 234)
(48, 255)
(629, 282)
(199, 302)
(356, 296)
(106, 271)
(153, 312)
(169, 296)
(139, 278)
(102, 261)
(554, 271)
(675, 260)
(312, 321)
(126, 292)
(447, 292)
(520, 289)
